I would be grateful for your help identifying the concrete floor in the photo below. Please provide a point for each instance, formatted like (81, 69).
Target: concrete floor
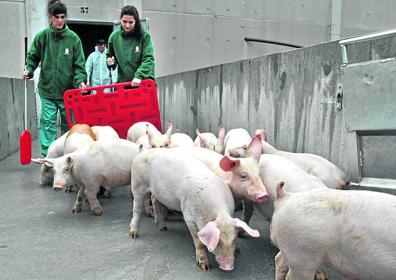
(41, 239)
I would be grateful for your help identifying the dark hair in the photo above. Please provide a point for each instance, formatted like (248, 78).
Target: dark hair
(100, 42)
(56, 7)
(132, 11)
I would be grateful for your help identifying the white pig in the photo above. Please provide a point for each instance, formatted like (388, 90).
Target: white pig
(183, 183)
(180, 140)
(273, 169)
(316, 165)
(241, 174)
(353, 231)
(236, 142)
(105, 133)
(104, 163)
(139, 129)
(155, 140)
(56, 149)
(79, 136)
(209, 141)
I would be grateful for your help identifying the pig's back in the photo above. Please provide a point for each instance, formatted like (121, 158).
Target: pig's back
(274, 169)
(178, 179)
(352, 230)
(318, 166)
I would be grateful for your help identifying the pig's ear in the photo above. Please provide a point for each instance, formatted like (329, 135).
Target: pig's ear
(197, 131)
(254, 149)
(150, 136)
(202, 141)
(70, 163)
(45, 161)
(245, 227)
(210, 235)
(280, 192)
(169, 127)
(140, 148)
(221, 135)
(228, 164)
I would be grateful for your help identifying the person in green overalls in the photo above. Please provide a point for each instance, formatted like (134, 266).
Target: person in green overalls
(130, 48)
(62, 68)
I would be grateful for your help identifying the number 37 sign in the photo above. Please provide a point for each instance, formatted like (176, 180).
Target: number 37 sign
(84, 10)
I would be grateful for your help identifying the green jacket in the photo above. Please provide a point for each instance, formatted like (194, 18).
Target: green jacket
(62, 61)
(134, 57)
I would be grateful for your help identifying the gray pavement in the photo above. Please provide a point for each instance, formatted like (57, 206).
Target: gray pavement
(41, 239)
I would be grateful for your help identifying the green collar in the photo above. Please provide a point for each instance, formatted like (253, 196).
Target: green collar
(59, 33)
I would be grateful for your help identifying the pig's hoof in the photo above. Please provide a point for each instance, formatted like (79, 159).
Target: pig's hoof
(69, 189)
(203, 265)
(76, 210)
(164, 228)
(98, 211)
(107, 194)
(133, 233)
(237, 250)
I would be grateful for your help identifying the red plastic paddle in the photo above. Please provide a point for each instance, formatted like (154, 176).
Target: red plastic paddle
(25, 140)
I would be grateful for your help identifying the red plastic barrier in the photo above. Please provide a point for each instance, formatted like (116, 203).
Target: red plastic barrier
(119, 109)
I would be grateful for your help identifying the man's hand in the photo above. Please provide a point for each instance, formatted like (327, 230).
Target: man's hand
(82, 86)
(110, 61)
(25, 75)
(135, 82)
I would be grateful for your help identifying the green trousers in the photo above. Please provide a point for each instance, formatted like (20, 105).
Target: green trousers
(48, 128)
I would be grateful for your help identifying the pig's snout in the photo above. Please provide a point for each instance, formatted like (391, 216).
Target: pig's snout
(226, 264)
(57, 187)
(262, 197)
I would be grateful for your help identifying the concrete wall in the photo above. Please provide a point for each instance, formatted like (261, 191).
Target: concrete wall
(12, 114)
(190, 35)
(291, 94)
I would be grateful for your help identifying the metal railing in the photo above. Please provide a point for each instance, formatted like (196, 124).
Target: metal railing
(344, 43)
(247, 39)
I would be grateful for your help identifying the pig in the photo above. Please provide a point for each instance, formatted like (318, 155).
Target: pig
(139, 129)
(353, 231)
(55, 150)
(241, 175)
(79, 136)
(273, 169)
(236, 142)
(105, 133)
(103, 163)
(155, 140)
(183, 183)
(313, 164)
(180, 140)
(209, 141)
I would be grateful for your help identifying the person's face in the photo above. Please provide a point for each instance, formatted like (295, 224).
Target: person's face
(58, 21)
(101, 48)
(128, 23)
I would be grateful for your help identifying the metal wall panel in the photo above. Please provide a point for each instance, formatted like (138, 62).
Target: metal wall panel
(378, 156)
(370, 99)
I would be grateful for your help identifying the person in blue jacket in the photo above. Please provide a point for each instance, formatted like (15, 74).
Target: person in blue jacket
(96, 67)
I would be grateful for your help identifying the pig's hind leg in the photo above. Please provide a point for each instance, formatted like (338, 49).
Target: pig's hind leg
(200, 252)
(159, 214)
(139, 192)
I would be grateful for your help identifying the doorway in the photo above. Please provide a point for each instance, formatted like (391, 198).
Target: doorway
(90, 33)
